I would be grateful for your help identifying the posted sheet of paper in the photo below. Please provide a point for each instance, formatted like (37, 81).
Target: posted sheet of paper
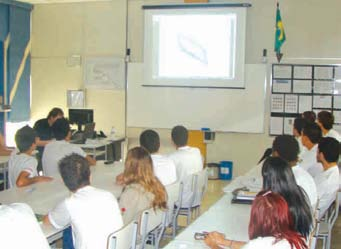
(281, 86)
(282, 72)
(323, 87)
(291, 103)
(276, 125)
(288, 125)
(337, 117)
(337, 102)
(303, 72)
(305, 103)
(323, 73)
(302, 86)
(277, 102)
(321, 101)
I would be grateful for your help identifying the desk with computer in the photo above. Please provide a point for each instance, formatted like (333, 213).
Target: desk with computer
(95, 144)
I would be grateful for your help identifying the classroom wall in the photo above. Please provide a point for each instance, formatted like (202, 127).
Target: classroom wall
(312, 37)
(86, 29)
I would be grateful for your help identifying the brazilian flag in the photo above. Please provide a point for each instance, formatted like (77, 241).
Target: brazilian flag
(280, 34)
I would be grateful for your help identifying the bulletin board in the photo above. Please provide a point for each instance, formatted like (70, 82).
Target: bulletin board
(297, 88)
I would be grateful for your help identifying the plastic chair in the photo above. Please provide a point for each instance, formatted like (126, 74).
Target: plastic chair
(326, 225)
(152, 226)
(312, 239)
(125, 238)
(199, 187)
(174, 192)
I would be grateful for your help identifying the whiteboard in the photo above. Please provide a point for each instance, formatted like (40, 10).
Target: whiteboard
(226, 110)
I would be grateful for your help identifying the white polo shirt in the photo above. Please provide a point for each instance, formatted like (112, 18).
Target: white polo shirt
(19, 228)
(306, 181)
(334, 134)
(267, 243)
(93, 214)
(309, 162)
(164, 169)
(19, 163)
(327, 184)
(188, 161)
(302, 148)
(54, 152)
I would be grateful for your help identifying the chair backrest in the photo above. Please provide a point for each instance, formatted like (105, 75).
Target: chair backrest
(201, 186)
(315, 226)
(173, 192)
(125, 238)
(150, 220)
(333, 211)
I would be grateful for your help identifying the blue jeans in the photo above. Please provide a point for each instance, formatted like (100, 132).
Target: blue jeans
(67, 239)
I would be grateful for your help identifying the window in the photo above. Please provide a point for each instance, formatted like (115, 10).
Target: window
(195, 47)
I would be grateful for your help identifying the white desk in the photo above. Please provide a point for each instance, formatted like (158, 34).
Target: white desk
(42, 197)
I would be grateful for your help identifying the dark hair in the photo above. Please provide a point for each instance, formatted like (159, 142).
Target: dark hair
(330, 149)
(309, 116)
(270, 216)
(313, 132)
(55, 112)
(179, 135)
(299, 124)
(266, 154)
(150, 140)
(60, 128)
(75, 171)
(279, 178)
(287, 147)
(326, 119)
(24, 138)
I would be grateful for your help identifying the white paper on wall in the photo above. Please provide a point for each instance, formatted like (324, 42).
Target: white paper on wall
(291, 103)
(282, 72)
(276, 125)
(322, 101)
(323, 73)
(288, 125)
(305, 103)
(303, 72)
(302, 86)
(281, 86)
(277, 102)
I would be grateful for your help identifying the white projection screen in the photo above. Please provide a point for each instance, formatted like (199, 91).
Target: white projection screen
(200, 47)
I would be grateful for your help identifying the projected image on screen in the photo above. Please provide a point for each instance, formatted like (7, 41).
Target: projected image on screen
(204, 44)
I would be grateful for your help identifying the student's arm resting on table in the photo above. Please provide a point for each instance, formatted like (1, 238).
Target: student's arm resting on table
(58, 217)
(24, 179)
(91, 160)
(217, 240)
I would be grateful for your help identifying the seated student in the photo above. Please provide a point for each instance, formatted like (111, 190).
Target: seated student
(143, 189)
(326, 120)
(299, 124)
(279, 178)
(61, 147)
(309, 116)
(19, 228)
(328, 181)
(93, 213)
(187, 161)
(22, 166)
(286, 147)
(270, 226)
(164, 168)
(311, 135)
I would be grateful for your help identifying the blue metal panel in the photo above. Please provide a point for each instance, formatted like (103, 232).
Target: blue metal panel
(2, 84)
(19, 28)
(4, 24)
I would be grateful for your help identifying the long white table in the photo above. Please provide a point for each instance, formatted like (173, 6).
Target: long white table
(42, 197)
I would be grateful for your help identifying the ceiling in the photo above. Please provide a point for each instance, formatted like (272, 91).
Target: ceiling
(59, 1)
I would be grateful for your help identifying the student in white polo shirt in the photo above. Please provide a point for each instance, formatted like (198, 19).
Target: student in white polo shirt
(286, 147)
(61, 147)
(93, 213)
(311, 135)
(298, 126)
(325, 120)
(22, 166)
(19, 228)
(188, 161)
(328, 181)
(164, 168)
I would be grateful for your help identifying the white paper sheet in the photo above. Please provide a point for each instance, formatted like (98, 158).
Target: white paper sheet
(337, 102)
(324, 87)
(281, 86)
(338, 73)
(282, 72)
(276, 125)
(323, 73)
(291, 103)
(337, 116)
(305, 103)
(302, 86)
(321, 101)
(277, 102)
(288, 125)
(303, 72)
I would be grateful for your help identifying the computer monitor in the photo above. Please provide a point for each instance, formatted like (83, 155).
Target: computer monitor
(81, 117)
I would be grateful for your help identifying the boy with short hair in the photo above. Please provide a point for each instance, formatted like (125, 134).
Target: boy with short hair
(325, 120)
(61, 147)
(93, 213)
(22, 165)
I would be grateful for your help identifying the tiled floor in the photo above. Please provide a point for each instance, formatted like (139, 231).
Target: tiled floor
(215, 192)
